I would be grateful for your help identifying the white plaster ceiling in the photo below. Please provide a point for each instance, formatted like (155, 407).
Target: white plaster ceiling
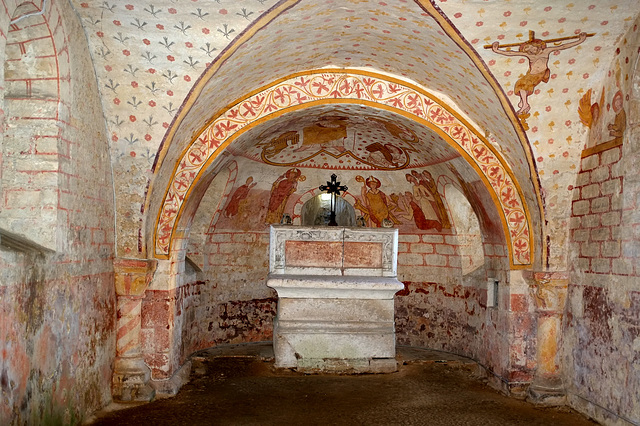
(149, 55)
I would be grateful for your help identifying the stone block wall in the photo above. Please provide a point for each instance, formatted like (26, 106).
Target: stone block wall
(597, 215)
(57, 299)
(601, 336)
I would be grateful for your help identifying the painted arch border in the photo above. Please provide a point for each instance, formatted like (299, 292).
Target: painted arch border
(333, 86)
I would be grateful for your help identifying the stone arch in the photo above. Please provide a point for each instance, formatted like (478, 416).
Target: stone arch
(312, 209)
(467, 227)
(297, 208)
(30, 146)
(334, 86)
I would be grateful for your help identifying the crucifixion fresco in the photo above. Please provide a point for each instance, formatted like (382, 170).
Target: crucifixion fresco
(537, 52)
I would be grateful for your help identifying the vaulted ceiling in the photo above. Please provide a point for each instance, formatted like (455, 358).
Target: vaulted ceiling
(168, 68)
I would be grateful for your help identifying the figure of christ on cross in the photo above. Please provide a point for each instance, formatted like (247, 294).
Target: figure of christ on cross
(334, 189)
(537, 52)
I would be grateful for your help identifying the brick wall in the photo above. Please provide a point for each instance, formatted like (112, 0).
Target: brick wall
(31, 143)
(57, 306)
(602, 326)
(597, 214)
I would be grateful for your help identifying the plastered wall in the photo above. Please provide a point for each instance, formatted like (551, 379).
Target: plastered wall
(223, 297)
(57, 303)
(602, 324)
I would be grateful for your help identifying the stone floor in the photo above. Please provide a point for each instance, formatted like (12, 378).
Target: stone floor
(237, 385)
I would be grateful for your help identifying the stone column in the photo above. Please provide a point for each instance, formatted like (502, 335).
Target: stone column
(550, 294)
(131, 375)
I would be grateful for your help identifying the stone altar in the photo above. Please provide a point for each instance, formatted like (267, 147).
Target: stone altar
(335, 298)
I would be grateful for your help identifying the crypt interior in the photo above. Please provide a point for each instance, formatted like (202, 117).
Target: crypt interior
(147, 148)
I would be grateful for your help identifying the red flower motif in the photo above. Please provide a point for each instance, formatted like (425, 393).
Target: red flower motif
(170, 92)
(187, 78)
(125, 52)
(189, 44)
(172, 11)
(147, 137)
(134, 84)
(479, 24)
(523, 23)
(152, 71)
(160, 26)
(129, 7)
(132, 118)
(165, 125)
(114, 137)
(100, 34)
(116, 101)
(108, 67)
(205, 31)
(152, 103)
(84, 4)
(146, 41)
(171, 58)
(458, 15)
(132, 153)
(117, 23)
(222, 11)
(548, 8)
(507, 13)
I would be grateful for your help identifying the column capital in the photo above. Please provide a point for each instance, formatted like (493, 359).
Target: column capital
(132, 276)
(549, 290)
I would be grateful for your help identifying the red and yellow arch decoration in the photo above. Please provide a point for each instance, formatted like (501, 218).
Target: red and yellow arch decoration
(326, 86)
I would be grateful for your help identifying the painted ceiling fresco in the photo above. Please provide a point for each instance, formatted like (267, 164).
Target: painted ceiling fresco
(399, 38)
(344, 137)
(149, 56)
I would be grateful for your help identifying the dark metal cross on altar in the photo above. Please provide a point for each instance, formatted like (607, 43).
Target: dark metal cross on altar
(334, 188)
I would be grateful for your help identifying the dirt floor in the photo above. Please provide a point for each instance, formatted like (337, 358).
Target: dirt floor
(239, 386)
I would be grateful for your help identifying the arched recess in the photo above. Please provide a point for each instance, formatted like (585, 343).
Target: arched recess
(336, 86)
(30, 158)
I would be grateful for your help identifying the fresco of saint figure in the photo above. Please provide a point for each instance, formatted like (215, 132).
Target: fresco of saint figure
(426, 180)
(619, 125)
(423, 198)
(238, 199)
(281, 190)
(374, 203)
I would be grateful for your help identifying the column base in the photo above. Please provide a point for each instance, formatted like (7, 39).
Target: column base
(549, 392)
(131, 381)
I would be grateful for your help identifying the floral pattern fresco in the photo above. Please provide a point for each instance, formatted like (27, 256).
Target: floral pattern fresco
(149, 56)
(308, 88)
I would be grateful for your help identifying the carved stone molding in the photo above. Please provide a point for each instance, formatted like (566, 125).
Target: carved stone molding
(304, 250)
(550, 291)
